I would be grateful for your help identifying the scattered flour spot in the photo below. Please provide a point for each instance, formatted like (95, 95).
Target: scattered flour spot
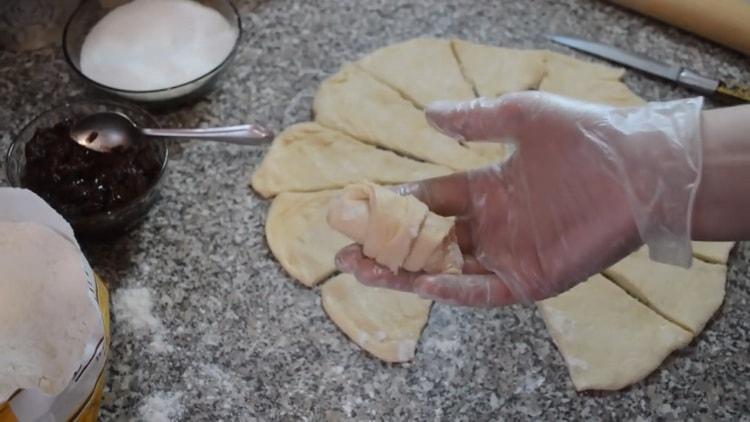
(494, 402)
(215, 385)
(134, 306)
(442, 346)
(347, 408)
(530, 383)
(162, 407)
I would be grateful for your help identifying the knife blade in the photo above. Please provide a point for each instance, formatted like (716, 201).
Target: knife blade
(679, 74)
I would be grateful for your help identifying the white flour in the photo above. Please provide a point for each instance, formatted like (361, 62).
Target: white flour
(153, 44)
(133, 306)
(161, 407)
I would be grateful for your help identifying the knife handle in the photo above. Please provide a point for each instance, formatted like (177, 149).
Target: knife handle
(735, 92)
(697, 82)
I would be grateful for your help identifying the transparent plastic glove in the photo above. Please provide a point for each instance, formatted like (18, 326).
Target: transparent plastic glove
(586, 185)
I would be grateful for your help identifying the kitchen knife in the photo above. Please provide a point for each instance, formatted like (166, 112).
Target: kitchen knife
(681, 75)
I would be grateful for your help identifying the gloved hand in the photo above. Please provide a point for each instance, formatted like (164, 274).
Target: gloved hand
(586, 185)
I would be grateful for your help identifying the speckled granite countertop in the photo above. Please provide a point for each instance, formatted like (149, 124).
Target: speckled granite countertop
(235, 339)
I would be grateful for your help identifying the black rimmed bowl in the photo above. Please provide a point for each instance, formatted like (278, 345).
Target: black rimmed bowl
(101, 224)
(91, 11)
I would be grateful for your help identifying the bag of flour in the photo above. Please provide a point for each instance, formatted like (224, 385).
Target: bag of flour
(54, 316)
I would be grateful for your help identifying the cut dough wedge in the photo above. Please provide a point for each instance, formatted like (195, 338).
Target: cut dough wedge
(556, 62)
(587, 81)
(608, 339)
(716, 252)
(300, 238)
(384, 322)
(688, 297)
(496, 151)
(309, 157)
(421, 69)
(354, 102)
(496, 71)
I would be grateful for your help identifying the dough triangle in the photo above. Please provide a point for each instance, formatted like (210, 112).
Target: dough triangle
(587, 81)
(354, 102)
(716, 252)
(421, 69)
(309, 157)
(300, 238)
(556, 62)
(384, 322)
(495, 71)
(608, 339)
(689, 297)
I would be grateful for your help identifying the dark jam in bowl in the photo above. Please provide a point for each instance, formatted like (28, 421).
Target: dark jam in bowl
(77, 181)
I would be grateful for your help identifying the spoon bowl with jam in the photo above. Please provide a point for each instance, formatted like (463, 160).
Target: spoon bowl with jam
(100, 194)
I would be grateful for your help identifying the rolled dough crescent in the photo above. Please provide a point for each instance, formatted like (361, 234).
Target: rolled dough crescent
(608, 339)
(384, 322)
(396, 231)
(309, 157)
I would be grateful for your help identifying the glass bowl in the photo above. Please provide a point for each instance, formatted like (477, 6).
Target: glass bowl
(91, 11)
(104, 223)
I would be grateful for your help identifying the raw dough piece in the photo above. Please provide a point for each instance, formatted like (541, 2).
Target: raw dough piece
(556, 62)
(716, 252)
(587, 81)
(396, 231)
(300, 238)
(354, 102)
(421, 69)
(497, 150)
(496, 71)
(688, 297)
(384, 322)
(309, 157)
(608, 339)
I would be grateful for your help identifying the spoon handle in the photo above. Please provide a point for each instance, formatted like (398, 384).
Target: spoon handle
(242, 134)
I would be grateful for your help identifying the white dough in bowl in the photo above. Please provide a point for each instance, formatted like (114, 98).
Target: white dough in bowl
(155, 44)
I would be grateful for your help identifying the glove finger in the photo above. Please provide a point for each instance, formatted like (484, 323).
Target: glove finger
(463, 234)
(465, 290)
(446, 195)
(472, 266)
(368, 272)
(482, 119)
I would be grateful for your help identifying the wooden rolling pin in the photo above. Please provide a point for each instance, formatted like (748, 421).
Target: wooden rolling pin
(726, 22)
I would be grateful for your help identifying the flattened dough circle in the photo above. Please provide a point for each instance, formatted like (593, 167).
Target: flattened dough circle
(378, 101)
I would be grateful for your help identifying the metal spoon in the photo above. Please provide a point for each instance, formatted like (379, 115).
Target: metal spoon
(106, 131)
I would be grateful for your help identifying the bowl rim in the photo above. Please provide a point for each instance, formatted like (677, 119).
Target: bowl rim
(99, 85)
(67, 104)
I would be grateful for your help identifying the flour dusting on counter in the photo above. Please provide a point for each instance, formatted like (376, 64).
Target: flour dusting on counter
(162, 407)
(134, 306)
